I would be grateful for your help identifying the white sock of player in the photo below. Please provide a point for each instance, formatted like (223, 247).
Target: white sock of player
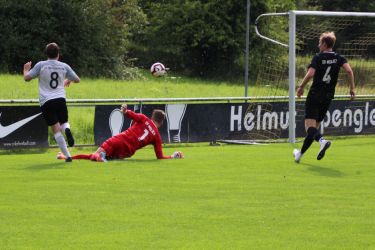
(65, 126)
(322, 141)
(62, 144)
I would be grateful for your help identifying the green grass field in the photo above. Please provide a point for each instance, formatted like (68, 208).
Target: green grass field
(148, 87)
(224, 197)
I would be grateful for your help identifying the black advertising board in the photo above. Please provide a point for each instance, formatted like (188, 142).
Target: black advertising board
(236, 121)
(22, 127)
(350, 118)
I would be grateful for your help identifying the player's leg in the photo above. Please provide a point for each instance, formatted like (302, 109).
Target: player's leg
(107, 150)
(310, 126)
(92, 157)
(61, 156)
(324, 144)
(311, 112)
(62, 112)
(60, 140)
(311, 130)
(82, 157)
(51, 118)
(100, 155)
(68, 133)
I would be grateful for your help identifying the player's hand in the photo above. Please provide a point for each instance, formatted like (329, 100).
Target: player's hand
(67, 83)
(300, 91)
(177, 155)
(27, 66)
(352, 94)
(124, 108)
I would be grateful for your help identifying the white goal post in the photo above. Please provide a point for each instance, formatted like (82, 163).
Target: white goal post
(292, 51)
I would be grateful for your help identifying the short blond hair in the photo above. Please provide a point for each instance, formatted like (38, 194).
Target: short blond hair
(329, 38)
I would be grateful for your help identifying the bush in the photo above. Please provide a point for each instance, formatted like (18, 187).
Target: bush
(93, 34)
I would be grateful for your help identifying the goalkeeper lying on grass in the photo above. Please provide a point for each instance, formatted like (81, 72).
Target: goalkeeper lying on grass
(144, 131)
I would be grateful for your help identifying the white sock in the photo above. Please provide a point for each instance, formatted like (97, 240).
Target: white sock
(65, 126)
(322, 140)
(62, 144)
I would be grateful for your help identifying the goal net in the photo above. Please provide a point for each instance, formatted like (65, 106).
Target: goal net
(289, 42)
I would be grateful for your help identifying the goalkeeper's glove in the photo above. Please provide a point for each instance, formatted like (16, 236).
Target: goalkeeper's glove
(177, 155)
(124, 108)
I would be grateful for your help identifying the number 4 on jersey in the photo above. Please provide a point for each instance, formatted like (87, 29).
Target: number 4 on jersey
(327, 77)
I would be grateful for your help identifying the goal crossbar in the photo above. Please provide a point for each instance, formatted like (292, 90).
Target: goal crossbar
(307, 13)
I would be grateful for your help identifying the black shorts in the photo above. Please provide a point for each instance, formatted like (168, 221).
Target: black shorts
(55, 111)
(316, 107)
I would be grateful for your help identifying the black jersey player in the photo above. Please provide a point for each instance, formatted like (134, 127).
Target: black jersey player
(324, 69)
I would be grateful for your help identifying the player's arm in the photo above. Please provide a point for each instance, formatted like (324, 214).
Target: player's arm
(71, 76)
(310, 74)
(131, 115)
(159, 149)
(30, 73)
(26, 70)
(349, 71)
(67, 82)
(159, 152)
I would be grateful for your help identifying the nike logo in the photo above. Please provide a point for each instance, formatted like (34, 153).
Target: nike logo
(6, 130)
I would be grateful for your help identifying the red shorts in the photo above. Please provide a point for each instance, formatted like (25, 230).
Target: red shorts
(116, 149)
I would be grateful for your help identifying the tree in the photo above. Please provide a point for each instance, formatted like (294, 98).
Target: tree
(196, 37)
(93, 34)
(201, 37)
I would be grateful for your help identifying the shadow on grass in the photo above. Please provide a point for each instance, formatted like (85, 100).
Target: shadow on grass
(48, 166)
(323, 171)
(138, 160)
(75, 163)
(129, 161)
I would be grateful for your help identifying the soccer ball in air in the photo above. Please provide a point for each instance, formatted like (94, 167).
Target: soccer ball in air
(158, 69)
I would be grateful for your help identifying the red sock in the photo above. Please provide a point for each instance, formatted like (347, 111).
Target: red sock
(83, 156)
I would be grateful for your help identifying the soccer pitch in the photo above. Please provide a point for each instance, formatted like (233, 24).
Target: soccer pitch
(224, 197)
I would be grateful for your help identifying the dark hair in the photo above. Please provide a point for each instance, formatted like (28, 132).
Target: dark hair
(52, 50)
(158, 115)
(328, 38)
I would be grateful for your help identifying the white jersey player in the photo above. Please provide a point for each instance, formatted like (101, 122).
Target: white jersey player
(53, 77)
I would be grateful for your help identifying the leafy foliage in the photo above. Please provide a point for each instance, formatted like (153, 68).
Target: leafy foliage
(196, 37)
(204, 38)
(93, 34)
(107, 38)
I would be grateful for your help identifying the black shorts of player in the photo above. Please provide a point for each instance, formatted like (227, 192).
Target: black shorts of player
(316, 107)
(55, 111)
